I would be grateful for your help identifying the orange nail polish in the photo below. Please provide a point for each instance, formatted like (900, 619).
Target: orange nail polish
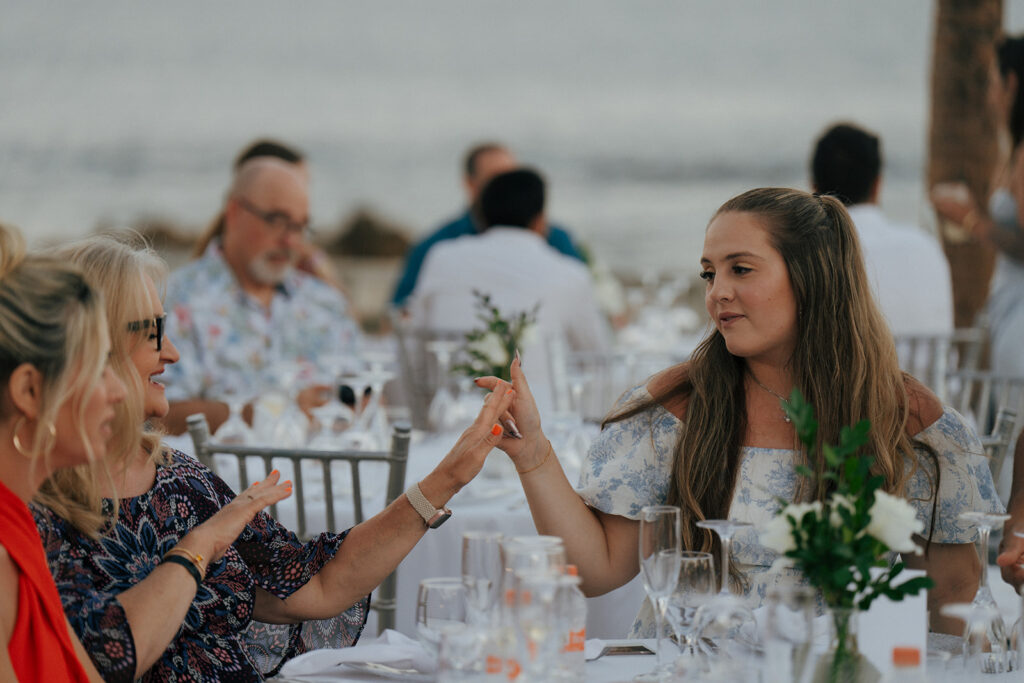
(287, 483)
(274, 472)
(509, 392)
(497, 430)
(254, 483)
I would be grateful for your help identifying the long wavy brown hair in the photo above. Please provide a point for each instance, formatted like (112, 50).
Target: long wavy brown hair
(844, 363)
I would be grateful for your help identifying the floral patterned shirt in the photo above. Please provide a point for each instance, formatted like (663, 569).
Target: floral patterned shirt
(218, 640)
(223, 334)
(630, 463)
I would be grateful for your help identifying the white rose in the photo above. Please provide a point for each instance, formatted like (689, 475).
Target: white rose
(528, 336)
(893, 522)
(493, 349)
(777, 534)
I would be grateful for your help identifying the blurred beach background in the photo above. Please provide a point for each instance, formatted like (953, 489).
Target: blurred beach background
(644, 115)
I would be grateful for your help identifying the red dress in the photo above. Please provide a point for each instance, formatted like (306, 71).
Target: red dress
(40, 647)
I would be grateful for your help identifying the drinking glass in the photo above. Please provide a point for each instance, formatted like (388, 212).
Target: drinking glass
(725, 621)
(980, 653)
(660, 543)
(234, 430)
(440, 603)
(482, 568)
(789, 633)
(462, 654)
(996, 635)
(442, 405)
(539, 619)
(695, 587)
(544, 554)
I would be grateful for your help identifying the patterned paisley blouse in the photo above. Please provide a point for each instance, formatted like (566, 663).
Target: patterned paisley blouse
(218, 640)
(630, 463)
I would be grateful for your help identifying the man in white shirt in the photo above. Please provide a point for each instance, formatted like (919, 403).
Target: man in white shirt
(906, 266)
(512, 261)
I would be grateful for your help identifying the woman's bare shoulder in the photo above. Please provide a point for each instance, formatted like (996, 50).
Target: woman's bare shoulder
(925, 408)
(665, 383)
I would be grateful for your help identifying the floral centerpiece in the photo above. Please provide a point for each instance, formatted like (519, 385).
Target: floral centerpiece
(490, 349)
(837, 540)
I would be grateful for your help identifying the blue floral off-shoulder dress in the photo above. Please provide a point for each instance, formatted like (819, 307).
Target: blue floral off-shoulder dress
(218, 640)
(629, 466)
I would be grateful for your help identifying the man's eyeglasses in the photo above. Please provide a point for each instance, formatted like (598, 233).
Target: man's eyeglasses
(154, 324)
(277, 221)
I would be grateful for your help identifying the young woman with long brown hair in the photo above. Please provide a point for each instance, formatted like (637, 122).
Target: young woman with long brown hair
(790, 307)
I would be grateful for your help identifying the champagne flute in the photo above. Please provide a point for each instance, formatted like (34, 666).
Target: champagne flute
(725, 620)
(660, 544)
(995, 635)
(695, 587)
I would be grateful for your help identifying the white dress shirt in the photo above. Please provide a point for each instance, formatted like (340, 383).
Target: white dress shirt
(519, 270)
(908, 272)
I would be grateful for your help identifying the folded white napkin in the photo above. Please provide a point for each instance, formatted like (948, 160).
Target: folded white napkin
(391, 648)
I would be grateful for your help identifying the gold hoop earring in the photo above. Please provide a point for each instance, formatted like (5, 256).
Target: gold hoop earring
(17, 442)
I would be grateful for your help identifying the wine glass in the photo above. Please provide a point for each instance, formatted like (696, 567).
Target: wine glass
(725, 620)
(996, 634)
(440, 603)
(789, 631)
(660, 543)
(442, 405)
(980, 653)
(482, 567)
(234, 430)
(695, 587)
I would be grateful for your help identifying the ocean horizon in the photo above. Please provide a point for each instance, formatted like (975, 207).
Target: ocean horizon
(644, 116)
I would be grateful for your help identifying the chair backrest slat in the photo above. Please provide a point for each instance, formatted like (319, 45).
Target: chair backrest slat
(396, 458)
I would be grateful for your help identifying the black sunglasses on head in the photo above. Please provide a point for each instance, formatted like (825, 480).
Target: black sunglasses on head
(157, 323)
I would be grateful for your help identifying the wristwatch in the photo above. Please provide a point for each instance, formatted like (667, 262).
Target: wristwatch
(431, 515)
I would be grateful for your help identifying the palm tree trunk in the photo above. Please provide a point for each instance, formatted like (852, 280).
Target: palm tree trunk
(962, 143)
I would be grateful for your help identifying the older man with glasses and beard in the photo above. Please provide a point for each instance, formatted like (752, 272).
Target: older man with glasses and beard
(242, 310)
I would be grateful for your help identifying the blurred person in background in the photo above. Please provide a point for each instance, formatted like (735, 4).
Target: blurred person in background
(1000, 222)
(244, 311)
(907, 269)
(481, 163)
(511, 249)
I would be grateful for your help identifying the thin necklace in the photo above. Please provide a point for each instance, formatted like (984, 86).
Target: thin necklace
(785, 416)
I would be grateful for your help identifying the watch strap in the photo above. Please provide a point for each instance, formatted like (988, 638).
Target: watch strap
(432, 516)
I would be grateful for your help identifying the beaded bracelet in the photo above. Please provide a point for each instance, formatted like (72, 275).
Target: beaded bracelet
(541, 463)
(187, 564)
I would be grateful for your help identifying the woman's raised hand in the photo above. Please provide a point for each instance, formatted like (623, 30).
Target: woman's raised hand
(466, 458)
(213, 537)
(533, 447)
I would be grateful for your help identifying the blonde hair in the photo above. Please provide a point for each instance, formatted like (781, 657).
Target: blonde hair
(844, 363)
(51, 318)
(117, 266)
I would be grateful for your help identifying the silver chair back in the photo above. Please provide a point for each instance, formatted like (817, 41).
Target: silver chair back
(996, 405)
(396, 459)
(930, 358)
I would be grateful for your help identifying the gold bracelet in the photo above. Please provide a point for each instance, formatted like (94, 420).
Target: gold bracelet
(195, 558)
(541, 463)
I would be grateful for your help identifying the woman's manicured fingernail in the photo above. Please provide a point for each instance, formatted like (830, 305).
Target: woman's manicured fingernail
(519, 358)
(512, 428)
(509, 392)
(254, 483)
(273, 472)
(476, 381)
(287, 483)
(497, 430)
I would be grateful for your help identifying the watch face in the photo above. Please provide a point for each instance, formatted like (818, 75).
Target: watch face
(440, 518)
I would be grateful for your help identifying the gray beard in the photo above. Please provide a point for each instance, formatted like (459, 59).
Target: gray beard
(263, 272)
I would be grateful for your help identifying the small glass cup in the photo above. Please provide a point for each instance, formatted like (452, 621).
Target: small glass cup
(440, 603)
(462, 654)
(482, 569)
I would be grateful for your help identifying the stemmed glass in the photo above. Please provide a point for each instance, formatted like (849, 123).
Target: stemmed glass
(725, 620)
(660, 543)
(482, 569)
(442, 405)
(996, 628)
(695, 587)
(234, 430)
(979, 650)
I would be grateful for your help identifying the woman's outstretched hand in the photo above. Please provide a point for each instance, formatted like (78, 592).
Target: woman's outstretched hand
(466, 458)
(213, 537)
(527, 452)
